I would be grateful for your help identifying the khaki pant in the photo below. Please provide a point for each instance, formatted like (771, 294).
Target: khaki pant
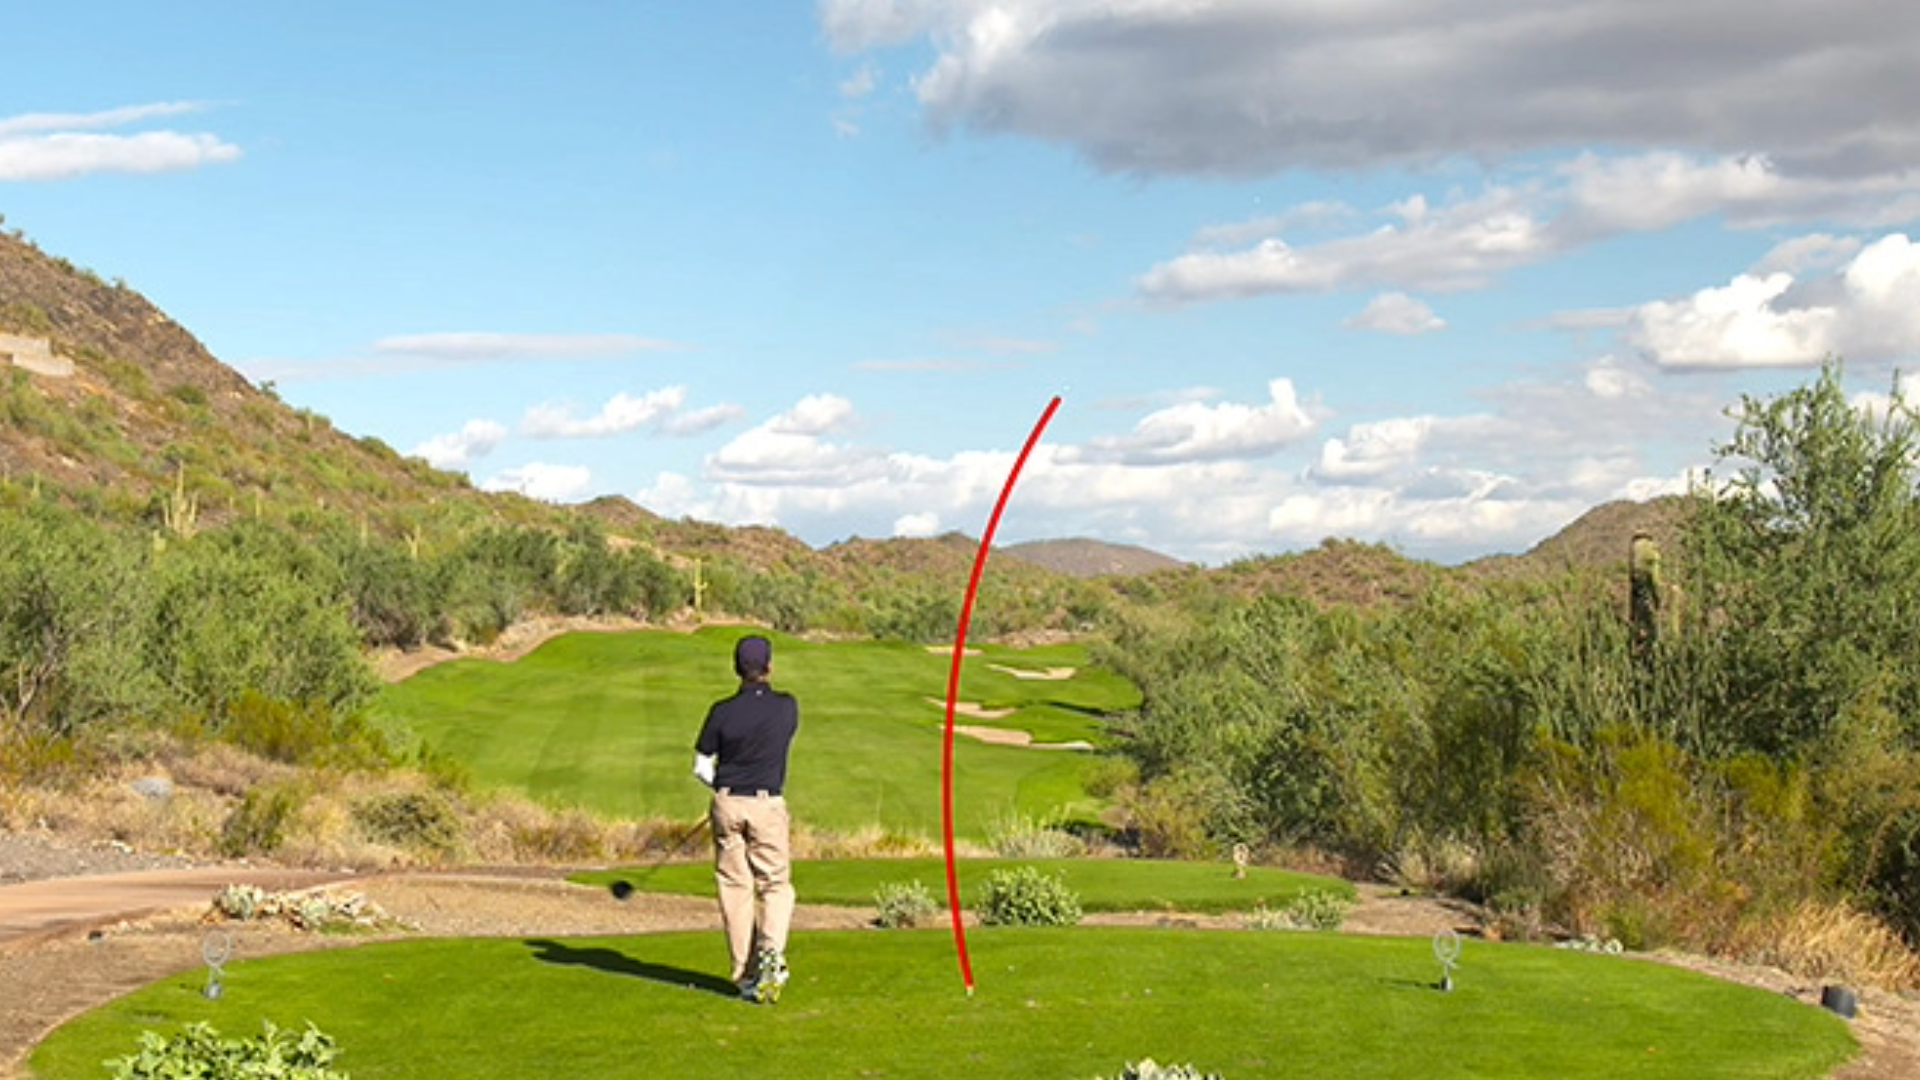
(753, 870)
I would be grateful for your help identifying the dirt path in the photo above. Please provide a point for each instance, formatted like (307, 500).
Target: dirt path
(69, 945)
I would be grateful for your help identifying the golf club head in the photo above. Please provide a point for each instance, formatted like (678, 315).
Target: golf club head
(621, 889)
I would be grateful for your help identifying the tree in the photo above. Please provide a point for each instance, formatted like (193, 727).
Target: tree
(1802, 572)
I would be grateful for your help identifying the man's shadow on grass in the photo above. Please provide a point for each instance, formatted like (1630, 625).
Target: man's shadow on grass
(618, 963)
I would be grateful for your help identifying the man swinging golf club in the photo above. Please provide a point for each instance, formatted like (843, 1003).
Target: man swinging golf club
(742, 754)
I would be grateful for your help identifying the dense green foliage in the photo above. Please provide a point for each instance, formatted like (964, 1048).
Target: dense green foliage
(1054, 1002)
(1753, 748)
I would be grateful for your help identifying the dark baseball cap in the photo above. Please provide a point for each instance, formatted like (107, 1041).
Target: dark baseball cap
(752, 654)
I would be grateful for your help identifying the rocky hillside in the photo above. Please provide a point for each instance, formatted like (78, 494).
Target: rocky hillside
(1082, 558)
(108, 402)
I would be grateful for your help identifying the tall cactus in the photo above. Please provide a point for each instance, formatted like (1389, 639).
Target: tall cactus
(1643, 596)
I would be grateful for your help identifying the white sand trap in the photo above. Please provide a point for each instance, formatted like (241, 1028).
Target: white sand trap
(973, 709)
(1004, 737)
(947, 650)
(1052, 674)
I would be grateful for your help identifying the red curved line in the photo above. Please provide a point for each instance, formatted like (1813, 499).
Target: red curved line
(953, 693)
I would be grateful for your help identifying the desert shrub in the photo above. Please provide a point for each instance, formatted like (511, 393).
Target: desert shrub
(72, 602)
(420, 821)
(1180, 815)
(259, 824)
(1318, 909)
(1023, 836)
(1023, 896)
(571, 836)
(1831, 941)
(1313, 909)
(297, 733)
(200, 1053)
(904, 905)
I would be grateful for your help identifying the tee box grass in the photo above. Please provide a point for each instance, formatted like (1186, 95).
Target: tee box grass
(607, 721)
(1055, 1004)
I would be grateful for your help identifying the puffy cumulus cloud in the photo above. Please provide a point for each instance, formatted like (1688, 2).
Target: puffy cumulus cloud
(550, 483)
(1198, 431)
(815, 414)
(1437, 486)
(1870, 310)
(1373, 449)
(661, 410)
(916, 525)
(457, 450)
(1397, 313)
(793, 449)
(62, 146)
(1244, 87)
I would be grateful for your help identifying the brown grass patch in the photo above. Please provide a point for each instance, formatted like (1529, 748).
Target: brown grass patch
(1832, 942)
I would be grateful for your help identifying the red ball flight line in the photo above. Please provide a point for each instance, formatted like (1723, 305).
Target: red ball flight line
(953, 692)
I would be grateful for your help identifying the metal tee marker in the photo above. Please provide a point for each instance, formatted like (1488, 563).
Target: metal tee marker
(216, 950)
(1446, 949)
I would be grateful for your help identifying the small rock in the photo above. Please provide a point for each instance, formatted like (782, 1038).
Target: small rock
(153, 787)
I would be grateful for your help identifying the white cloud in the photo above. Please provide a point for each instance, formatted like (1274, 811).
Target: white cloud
(457, 450)
(62, 146)
(1373, 449)
(1193, 431)
(1244, 87)
(792, 448)
(1457, 246)
(483, 347)
(1211, 480)
(917, 525)
(661, 410)
(1465, 242)
(816, 414)
(550, 483)
(1397, 313)
(1870, 310)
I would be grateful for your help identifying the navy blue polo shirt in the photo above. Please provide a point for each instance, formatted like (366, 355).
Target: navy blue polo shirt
(749, 734)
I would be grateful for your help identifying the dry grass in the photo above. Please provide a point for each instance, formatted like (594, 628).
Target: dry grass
(1832, 942)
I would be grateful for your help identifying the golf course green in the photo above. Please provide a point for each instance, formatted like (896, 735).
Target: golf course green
(607, 722)
(1051, 1004)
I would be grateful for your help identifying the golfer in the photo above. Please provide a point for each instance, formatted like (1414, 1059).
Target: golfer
(742, 755)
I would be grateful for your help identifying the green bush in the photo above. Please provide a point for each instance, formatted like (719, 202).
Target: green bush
(1024, 896)
(200, 1053)
(904, 906)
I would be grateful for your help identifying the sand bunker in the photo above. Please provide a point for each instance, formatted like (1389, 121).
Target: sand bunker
(1052, 674)
(973, 709)
(1006, 737)
(947, 650)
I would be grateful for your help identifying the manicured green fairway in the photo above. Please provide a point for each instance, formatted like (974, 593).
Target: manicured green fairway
(607, 721)
(1101, 884)
(1051, 1005)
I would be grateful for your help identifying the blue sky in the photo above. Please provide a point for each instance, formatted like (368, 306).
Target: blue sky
(1441, 274)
